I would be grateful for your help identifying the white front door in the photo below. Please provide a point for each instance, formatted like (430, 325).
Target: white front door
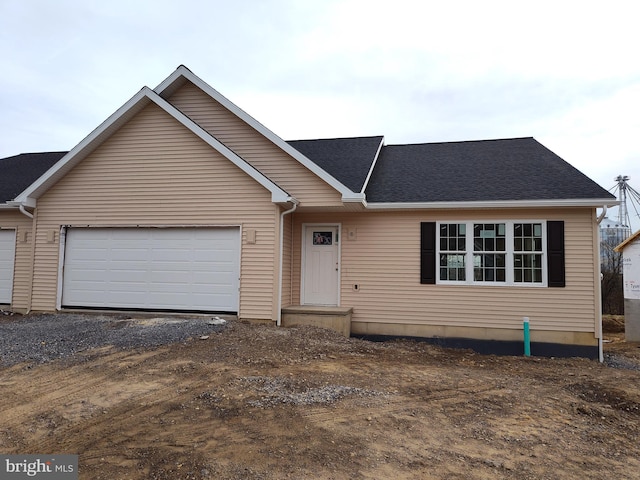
(320, 265)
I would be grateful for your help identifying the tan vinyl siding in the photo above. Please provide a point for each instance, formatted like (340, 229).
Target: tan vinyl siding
(252, 146)
(287, 262)
(154, 172)
(22, 266)
(384, 261)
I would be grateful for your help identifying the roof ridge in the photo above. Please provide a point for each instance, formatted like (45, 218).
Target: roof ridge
(36, 153)
(334, 138)
(460, 141)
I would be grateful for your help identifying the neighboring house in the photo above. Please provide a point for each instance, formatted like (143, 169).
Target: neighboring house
(629, 250)
(182, 201)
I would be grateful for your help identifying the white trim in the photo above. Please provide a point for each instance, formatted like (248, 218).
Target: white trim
(305, 226)
(184, 72)
(9, 206)
(63, 243)
(587, 202)
(509, 253)
(373, 165)
(109, 126)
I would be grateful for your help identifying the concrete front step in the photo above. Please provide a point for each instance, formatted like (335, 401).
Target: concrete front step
(334, 318)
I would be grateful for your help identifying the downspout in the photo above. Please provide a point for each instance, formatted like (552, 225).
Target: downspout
(282, 215)
(25, 212)
(600, 343)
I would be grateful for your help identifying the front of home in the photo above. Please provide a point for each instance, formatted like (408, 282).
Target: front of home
(180, 201)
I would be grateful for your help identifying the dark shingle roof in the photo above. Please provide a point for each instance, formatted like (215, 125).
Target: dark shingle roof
(485, 170)
(20, 171)
(348, 160)
(511, 169)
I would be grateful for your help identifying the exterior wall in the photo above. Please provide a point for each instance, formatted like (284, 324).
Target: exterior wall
(269, 159)
(22, 273)
(287, 262)
(632, 320)
(384, 261)
(154, 172)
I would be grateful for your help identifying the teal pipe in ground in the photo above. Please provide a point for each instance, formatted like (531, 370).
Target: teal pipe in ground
(527, 338)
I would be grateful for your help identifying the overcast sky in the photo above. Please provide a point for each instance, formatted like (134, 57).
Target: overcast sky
(564, 72)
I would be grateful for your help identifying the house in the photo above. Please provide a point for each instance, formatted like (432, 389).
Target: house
(630, 251)
(181, 201)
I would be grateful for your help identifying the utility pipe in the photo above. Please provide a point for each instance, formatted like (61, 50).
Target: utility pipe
(286, 212)
(527, 338)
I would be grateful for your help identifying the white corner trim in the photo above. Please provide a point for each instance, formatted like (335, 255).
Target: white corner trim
(588, 202)
(182, 71)
(124, 113)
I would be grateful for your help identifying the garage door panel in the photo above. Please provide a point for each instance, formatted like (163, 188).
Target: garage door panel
(7, 260)
(168, 268)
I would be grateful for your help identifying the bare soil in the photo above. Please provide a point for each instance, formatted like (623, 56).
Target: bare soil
(259, 402)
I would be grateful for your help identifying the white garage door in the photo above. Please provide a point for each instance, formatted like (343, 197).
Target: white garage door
(7, 255)
(188, 269)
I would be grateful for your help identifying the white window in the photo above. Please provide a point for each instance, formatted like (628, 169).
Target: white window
(492, 253)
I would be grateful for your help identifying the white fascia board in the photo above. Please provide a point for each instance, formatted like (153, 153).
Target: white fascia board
(182, 71)
(109, 126)
(9, 206)
(29, 196)
(498, 204)
(373, 165)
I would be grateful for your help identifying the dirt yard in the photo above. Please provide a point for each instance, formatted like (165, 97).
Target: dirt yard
(258, 402)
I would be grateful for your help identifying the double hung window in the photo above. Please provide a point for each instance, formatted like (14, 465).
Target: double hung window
(491, 253)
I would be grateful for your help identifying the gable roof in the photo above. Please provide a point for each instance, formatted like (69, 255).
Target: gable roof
(350, 160)
(509, 170)
(20, 171)
(182, 74)
(632, 238)
(488, 173)
(143, 98)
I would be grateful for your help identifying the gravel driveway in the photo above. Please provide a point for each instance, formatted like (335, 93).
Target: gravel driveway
(45, 337)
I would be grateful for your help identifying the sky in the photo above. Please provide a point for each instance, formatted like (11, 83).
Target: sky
(564, 72)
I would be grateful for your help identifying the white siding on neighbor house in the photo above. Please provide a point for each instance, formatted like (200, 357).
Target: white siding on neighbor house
(7, 261)
(152, 268)
(260, 152)
(384, 261)
(155, 172)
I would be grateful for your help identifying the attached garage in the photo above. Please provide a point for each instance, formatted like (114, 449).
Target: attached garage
(7, 258)
(182, 269)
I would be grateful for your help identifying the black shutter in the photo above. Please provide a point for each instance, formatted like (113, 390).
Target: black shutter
(428, 252)
(555, 253)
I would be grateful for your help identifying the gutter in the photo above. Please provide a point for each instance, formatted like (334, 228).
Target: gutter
(282, 215)
(598, 203)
